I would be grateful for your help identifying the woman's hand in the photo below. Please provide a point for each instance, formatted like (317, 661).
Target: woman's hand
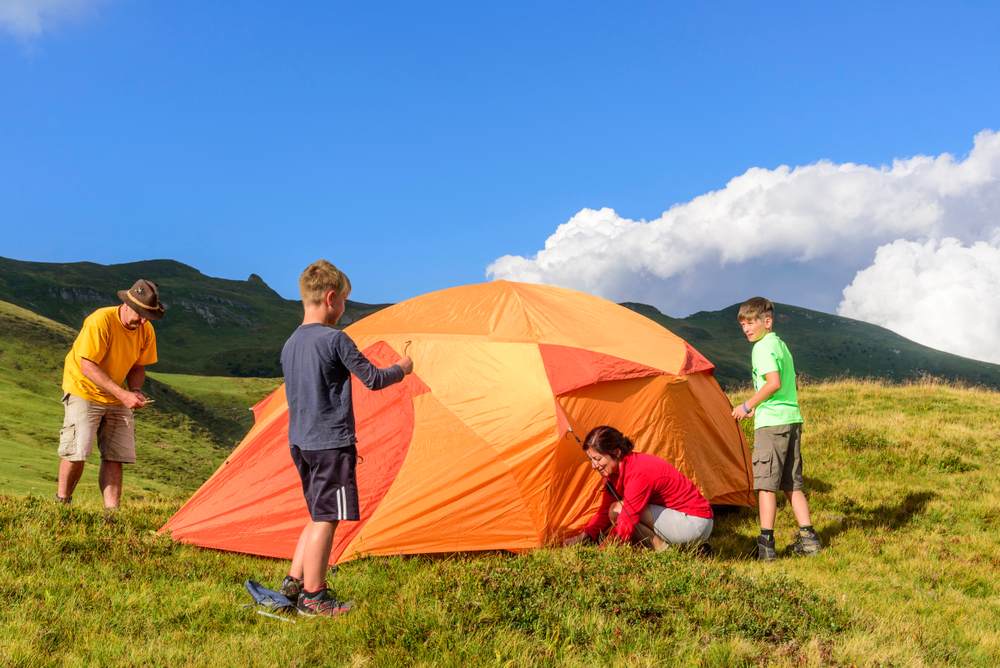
(575, 540)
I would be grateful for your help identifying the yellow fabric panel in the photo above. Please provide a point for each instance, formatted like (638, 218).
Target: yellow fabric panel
(500, 393)
(451, 494)
(105, 341)
(498, 390)
(508, 311)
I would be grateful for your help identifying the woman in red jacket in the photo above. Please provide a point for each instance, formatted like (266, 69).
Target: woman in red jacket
(644, 496)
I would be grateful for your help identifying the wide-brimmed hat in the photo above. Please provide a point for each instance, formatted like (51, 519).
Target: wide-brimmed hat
(144, 297)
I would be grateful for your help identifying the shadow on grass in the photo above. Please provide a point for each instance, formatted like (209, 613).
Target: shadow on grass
(732, 543)
(816, 485)
(890, 516)
(223, 431)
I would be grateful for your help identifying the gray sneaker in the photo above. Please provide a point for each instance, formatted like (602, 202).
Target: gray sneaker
(290, 588)
(765, 549)
(807, 545)
(322, 605)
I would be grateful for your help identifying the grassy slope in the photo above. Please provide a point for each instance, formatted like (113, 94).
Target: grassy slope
(901, 483)
(180, 439)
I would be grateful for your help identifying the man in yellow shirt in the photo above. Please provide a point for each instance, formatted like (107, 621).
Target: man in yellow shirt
(102, 384)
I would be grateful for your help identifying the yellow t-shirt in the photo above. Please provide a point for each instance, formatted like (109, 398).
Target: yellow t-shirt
(109, 344)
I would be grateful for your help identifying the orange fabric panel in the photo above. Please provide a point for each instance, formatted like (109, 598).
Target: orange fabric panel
(572, 368)
(384, 422)
(497, 389)
(662, 416)
(253, 503)
(267, 405)
(570, 318)
(522, 312)
(727, 453)
(575, 490)
(453, 493)
(473, 452)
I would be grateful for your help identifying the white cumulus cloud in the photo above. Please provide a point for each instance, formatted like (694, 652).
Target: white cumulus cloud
(940, 293)
(795, 234)
(31, 18)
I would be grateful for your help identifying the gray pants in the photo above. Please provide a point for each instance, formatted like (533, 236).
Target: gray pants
(679, 529)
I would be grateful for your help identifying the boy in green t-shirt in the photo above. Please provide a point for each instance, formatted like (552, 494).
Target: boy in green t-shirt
(777, 455)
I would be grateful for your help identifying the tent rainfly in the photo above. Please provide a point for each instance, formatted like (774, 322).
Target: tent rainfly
(477, 449)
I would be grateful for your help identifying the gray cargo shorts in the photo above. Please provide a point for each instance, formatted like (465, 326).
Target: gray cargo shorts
(110, 424)
(777, 458)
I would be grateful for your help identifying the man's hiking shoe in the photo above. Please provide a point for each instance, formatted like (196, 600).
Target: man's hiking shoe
(765, 549)
(704, 550)
(65, 500)
(322, 605)
(806, 544)
(291, 588)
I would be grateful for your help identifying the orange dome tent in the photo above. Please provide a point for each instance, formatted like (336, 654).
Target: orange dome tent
(473, 451)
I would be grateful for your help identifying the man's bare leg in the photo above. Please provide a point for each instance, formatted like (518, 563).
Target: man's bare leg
(110, 480)
(69, 476)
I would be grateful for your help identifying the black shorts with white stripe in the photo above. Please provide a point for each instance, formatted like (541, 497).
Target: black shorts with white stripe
(328, 482)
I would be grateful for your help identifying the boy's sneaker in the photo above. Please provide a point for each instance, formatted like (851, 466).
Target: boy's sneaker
(765, 549)
(807, 544)
(321, 605)
(290, 588)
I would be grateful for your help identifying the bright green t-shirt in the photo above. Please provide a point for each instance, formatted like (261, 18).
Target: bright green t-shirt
(771, 354)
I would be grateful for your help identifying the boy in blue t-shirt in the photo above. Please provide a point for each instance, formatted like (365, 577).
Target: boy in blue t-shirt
(317, 361)
(777, 455)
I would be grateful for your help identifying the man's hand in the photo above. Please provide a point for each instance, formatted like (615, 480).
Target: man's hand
(740, 412)
(133, 400)
(406, 364)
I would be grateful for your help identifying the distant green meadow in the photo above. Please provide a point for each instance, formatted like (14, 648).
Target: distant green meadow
(901, 480)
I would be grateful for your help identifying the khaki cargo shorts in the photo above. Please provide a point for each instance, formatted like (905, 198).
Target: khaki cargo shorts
(777, 458)
(111, 424)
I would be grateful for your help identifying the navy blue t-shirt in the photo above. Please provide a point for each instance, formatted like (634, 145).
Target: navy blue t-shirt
(318, 361)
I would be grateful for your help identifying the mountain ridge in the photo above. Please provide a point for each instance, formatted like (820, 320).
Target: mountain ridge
(217, 326)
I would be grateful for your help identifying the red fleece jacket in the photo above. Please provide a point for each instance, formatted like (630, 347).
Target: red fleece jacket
(640, 480)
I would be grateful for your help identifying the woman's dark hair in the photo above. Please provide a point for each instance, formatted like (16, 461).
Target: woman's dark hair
(608, 441)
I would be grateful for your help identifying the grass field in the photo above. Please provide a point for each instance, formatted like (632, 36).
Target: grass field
(901, 481)
(902, 489)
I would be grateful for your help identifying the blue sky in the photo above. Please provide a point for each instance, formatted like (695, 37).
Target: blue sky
(416, 144)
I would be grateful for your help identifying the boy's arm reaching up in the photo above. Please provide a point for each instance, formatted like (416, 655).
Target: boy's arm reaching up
(372, 376)
(772, 383)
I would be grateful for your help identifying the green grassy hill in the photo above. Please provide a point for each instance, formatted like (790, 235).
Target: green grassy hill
(213, 326)
(223, 327)
(901, 482)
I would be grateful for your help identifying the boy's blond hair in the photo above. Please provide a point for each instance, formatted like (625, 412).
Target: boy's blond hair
(318, 278)
(755, 308)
